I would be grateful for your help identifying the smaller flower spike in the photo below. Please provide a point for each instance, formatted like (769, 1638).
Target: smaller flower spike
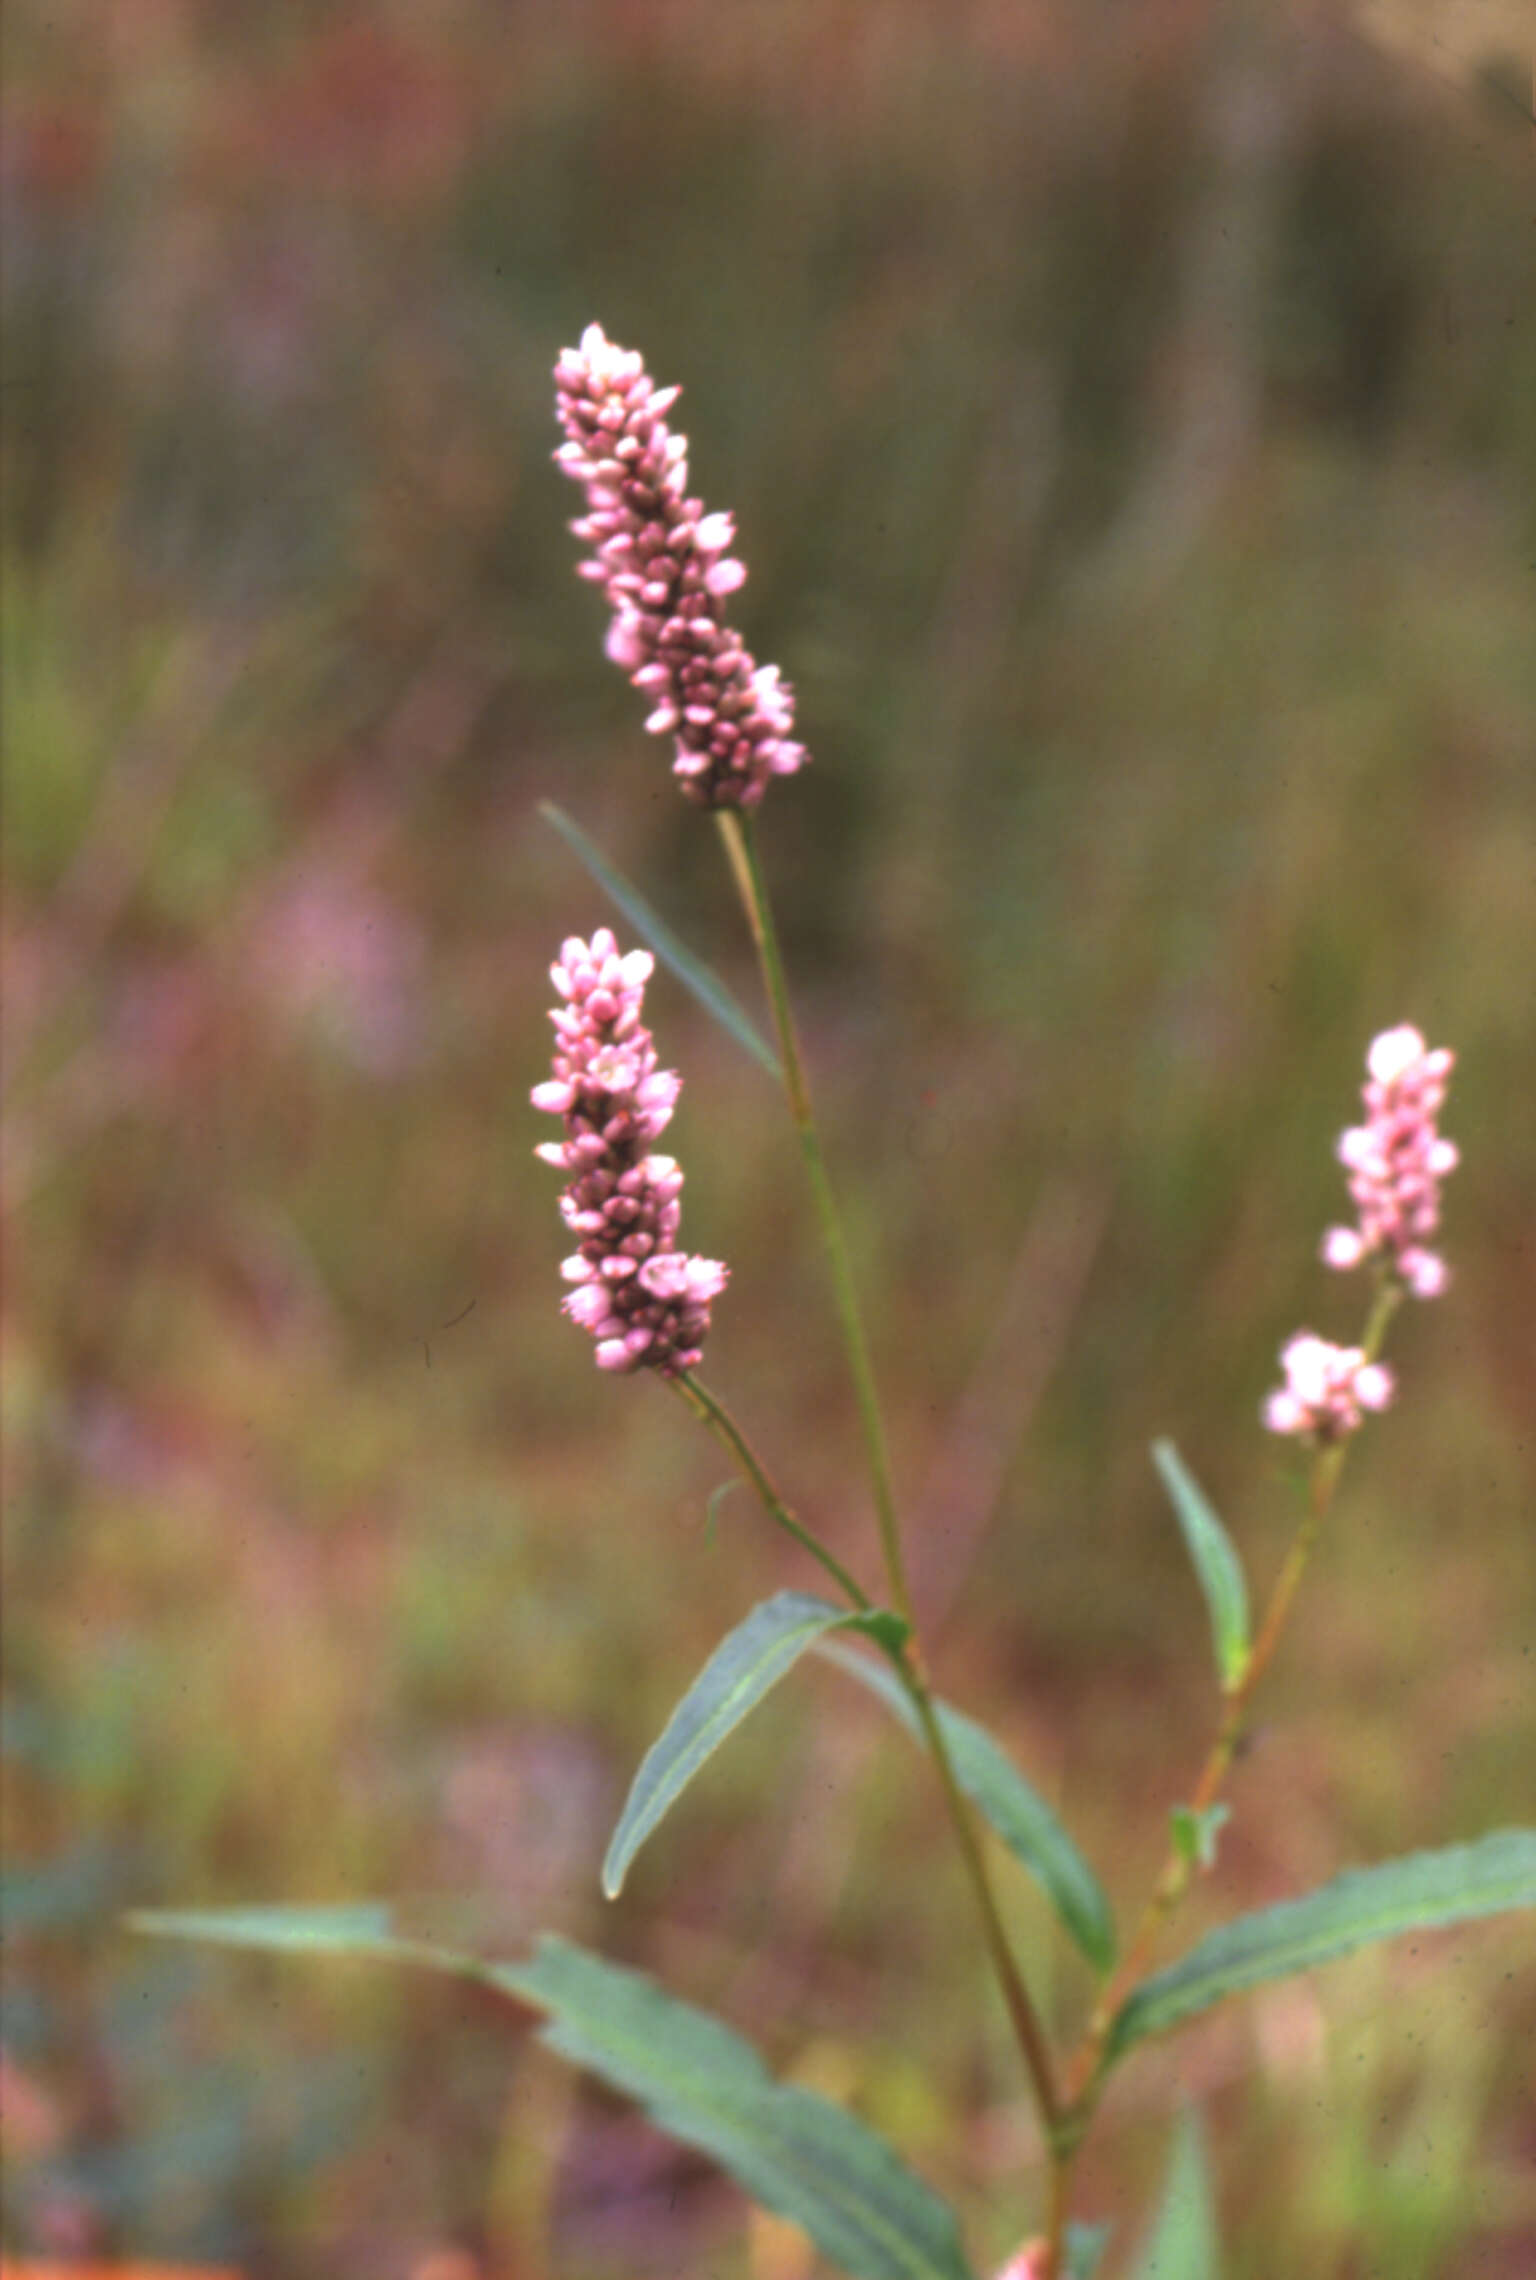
(665, 567)
(1396, 1161)
(1326, 1388)
(645, 1303)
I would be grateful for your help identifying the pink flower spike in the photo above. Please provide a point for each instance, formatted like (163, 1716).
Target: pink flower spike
(1395, 1162)
(644, 1302)
(663, 564)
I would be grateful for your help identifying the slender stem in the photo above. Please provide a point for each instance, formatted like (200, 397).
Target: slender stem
(741, 849)
(1025, 2020)
(1178, 1869)
(723, 1425)
(1060, 2203)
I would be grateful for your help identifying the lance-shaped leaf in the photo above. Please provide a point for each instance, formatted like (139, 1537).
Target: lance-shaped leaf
(795, 2152)
(1489, 1877)
(695, 976)
(1016, 1812)
(1183, 2245)
(753, 1658)
(1215, 1559)
(366, 1930)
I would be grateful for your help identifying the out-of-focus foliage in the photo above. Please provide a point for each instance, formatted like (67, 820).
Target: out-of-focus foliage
(1132, 424)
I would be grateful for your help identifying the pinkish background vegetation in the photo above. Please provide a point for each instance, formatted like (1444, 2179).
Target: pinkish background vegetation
(1131, 421)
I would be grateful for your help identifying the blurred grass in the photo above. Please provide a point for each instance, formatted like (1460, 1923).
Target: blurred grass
(1134, 443)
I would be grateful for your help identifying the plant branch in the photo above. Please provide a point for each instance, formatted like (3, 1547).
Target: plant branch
(1087, 2072)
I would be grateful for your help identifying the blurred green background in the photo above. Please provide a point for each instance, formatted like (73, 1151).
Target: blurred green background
(1131, 419)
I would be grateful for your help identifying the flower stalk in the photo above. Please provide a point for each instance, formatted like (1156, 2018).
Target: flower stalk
(717, 1418)
(1330, 1449)
(1395, 1161)
(740, 841)
(663, 566)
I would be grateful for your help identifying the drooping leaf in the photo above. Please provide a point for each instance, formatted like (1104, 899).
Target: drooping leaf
(1489, 1877)
(1016, 1812)
(654, 931)
(1183, 2243)
(1216, 1563)
(795, 2152)
(742, 1669)
(717, 1497)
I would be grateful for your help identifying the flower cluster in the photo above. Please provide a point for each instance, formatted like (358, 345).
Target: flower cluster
(1326, 1388)
(643, 1300)
(664, 566)
(1396, 1161)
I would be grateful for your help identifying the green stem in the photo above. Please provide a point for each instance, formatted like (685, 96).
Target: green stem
(1023, 2017)
(723, 1425)
(1087, 2073)
(741, 849)
(1062, 2164)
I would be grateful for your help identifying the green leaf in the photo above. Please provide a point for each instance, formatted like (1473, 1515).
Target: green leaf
(365, 1929)
(796, 2153)
(753, 1658)
(1216, 1562)
(1183, 2245)
(1195, 1834)
(1487, 1878)
(691, 971)
(1016, 1812)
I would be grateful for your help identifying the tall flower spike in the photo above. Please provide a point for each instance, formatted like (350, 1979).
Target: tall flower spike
(646, 1303)
(665, 567)
(1396, 1161)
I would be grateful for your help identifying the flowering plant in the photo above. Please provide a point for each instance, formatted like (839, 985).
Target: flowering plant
(664, 568)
